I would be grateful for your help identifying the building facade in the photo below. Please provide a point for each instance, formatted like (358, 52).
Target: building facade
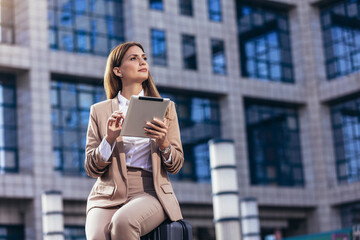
(280, 78)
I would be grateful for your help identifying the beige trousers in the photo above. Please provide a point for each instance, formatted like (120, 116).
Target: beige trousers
(139, 215)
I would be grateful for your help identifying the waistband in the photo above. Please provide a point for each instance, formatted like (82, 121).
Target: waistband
(138, 172)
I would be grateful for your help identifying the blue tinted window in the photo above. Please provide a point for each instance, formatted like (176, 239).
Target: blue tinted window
(8, 126)
(265, 47)
(200, 115)
(346, 134)
(86, 26)
(218, 57)
(341, 37)
(186, 7)
(189, 52)
(350, 215)
(156, 4)
(12, 232)
(158, 47)
(273, 144)
(214, 10)
(70, 105)
(74, 232)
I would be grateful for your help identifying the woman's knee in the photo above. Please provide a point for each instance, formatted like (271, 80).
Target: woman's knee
(97, 233)
(124, 226)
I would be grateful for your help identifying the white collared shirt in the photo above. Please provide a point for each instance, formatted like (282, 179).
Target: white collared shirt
(137, 150)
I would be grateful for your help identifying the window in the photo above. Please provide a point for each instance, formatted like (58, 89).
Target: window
(218, 57)
(74, 233)
(273, 144)
(264, 40)
(214, 10)
(84, 26)
(346, 134)
(8, 126)
(199, 120)
(12, 232)
(186, 7)
(189, 52)
(350, 215)
(70, 104)
(341, 37)
(156, 4)
(6, 21)
(158, 43)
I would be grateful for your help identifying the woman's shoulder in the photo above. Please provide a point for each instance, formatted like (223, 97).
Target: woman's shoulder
(101, 105)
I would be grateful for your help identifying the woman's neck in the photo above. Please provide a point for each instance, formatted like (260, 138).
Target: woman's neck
(132, 89)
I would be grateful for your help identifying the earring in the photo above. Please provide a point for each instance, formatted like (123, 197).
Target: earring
(120, 75)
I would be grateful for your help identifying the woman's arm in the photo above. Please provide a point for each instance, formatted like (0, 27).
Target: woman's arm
(95, 166)
(165, 133)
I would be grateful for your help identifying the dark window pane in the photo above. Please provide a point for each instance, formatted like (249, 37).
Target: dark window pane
(264, 39)
(273, 145)
(189, 52)
(214, 10)
(341, 38)
(8, 126)
(186, 7)
(74, 232)
(156, 4)
(12, 232)
(69, 118)
(218, 57)
(350, 214)
(346, 135)
(87, 26)
(201, 115)
(158, 43)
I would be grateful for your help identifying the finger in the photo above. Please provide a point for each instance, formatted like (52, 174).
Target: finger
(154, 132)
(159, 122)
(155, 127)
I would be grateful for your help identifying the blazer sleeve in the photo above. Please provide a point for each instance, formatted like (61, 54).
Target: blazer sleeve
(95, 166)
(177, 156)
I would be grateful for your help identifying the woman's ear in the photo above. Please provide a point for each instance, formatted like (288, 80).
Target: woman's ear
(117, 71)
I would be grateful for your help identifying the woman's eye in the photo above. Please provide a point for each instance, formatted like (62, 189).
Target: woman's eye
(145, 58)
(133, 58)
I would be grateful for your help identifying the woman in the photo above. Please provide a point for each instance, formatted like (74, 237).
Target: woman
(132, 194)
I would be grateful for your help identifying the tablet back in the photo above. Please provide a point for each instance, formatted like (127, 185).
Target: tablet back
(142, 109)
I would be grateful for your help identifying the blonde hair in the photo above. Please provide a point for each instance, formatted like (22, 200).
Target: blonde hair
(113, 84)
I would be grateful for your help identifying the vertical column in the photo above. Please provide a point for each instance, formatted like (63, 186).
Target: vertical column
(250, 224)
(225, 189)
(53, 218)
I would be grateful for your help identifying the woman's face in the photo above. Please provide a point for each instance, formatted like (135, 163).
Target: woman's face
(134, 66)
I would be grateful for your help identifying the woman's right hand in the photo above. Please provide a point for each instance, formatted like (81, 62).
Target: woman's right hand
(114, 126)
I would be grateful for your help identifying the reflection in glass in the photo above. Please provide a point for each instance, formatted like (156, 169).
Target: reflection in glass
(273, 144)
(70, 118)
(264, 39)
(341, 35)
(200, 115)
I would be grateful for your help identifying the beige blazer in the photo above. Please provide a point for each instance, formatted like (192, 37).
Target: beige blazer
(110, 189)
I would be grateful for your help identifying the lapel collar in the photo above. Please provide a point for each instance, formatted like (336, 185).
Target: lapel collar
(114, 104)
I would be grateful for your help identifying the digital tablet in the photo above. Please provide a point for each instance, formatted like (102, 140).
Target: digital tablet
(142, 109)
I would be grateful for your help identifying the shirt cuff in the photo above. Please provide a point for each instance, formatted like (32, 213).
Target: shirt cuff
(105, 149)
(167, 160)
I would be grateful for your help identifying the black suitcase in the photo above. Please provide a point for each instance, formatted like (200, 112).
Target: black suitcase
(180, 230)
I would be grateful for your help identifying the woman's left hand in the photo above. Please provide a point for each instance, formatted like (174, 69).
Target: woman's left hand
(158, 130)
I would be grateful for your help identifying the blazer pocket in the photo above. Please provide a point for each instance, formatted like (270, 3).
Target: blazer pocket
(103, 189)
(167, 188)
